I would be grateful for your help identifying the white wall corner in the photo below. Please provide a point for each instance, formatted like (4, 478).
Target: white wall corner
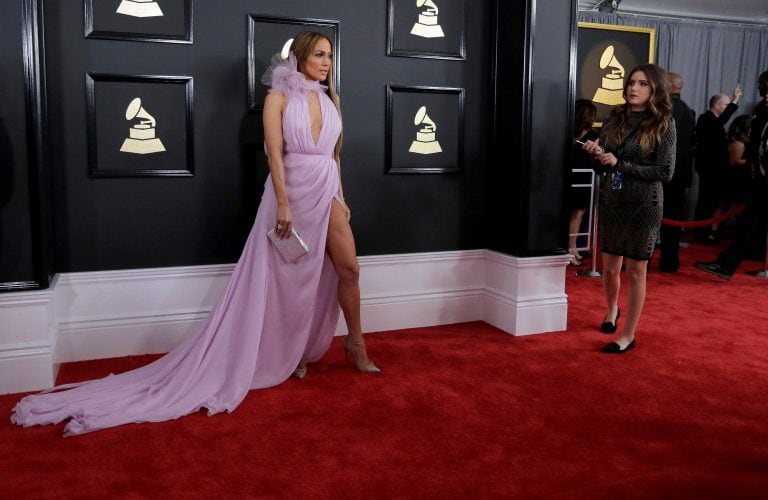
(26, 341)
(525, 295)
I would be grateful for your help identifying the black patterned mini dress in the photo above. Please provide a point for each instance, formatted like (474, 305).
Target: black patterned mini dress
(630, 214)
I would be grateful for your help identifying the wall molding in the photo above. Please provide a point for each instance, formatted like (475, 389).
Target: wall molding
(27, 341)
(104, 314)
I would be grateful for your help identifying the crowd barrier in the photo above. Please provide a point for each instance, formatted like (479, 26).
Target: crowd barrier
(591, 234)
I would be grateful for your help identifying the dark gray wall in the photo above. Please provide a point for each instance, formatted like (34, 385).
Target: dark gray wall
(15, 223)
(25, 260)
(508, 197)
(553, 50)
(125, 223)
(533, 96)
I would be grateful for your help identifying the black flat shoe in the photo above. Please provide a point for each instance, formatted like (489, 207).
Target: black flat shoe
(608, 327)
(615, 348)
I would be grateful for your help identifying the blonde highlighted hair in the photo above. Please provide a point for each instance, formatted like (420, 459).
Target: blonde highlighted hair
(302, 47)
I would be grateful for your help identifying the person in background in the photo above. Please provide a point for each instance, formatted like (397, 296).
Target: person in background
(736, 171)
(752, 222)
(741, 171)
(759, 121)
(710, 154)
(579, 198)
(637, 146)
(675, 190)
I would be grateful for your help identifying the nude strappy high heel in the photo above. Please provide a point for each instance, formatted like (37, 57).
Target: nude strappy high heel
(300, 371)
(357, 349)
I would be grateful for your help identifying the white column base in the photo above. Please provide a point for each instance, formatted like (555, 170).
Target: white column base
(26, 342)
(525, 295)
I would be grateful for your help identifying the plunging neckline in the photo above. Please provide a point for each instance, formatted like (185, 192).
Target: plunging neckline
(309, 121)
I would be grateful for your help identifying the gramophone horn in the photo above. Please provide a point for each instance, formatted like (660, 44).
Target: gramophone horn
(135, 110)
(132, 111)
(608, 59)
(420, 114)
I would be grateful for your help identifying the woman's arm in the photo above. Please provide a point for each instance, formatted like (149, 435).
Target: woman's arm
(338, 166)
(337, 154)
(274, 104)
(340, 194)
(735, 153)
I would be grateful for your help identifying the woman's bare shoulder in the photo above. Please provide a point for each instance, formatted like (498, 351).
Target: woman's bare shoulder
(275, 99)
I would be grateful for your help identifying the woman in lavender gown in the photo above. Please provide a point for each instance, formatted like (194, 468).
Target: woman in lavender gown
(274, 317)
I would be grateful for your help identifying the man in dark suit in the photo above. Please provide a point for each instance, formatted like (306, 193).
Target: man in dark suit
(711, 152)
(752, 222)
(674, 190)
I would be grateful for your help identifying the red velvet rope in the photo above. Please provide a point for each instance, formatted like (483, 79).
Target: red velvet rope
(708, 222)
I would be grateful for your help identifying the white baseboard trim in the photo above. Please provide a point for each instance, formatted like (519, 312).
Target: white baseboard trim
(118, 313)
(105, 337)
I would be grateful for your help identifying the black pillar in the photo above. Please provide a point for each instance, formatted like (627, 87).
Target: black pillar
(25, 250)
(533, 89)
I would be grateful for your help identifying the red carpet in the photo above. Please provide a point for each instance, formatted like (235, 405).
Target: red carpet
(463, 411)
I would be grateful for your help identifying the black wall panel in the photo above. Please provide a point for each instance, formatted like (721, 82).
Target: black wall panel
(24, 245)
(518, 95)
(15, 225)
(533, 96)
(551, 122)
(145, 222)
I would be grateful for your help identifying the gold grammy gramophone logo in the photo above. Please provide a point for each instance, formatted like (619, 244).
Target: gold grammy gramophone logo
(611, 88)
(426, 141)
(141, 136)
(140, 8)
(427, 26)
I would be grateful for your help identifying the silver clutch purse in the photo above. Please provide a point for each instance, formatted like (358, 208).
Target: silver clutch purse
(291, 248)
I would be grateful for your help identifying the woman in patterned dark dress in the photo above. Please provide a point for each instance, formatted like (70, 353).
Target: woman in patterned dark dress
(637, 147)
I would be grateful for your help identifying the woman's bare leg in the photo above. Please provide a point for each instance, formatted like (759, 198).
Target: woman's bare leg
(612, 284)
(341, 248)
(636, 276)
(575, 223)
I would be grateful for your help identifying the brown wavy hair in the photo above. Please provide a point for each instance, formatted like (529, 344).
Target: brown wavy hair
(302, 47)
(659, 109)
(739, 129)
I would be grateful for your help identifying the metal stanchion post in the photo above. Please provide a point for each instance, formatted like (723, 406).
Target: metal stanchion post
(594, 273)
(764, 273)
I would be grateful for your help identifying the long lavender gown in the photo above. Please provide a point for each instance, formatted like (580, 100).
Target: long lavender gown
(271, 315)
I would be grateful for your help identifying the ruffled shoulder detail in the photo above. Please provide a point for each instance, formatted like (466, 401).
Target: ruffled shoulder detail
(283, 76)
